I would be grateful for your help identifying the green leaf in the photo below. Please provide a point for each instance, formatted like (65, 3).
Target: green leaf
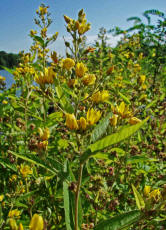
(100, 129)
(119, 222)
(26, 195)
(20, 205)
(120, 151)
(63, 100)
(150, 104)
(56, 116)
(101, 156)
(116, 137)
(40, 40)
(124, 98)
(7, 164)
(71, 178)
(53, 166)
(67, 202)
(139, 159)
(139, 200)
(111, 140)
(8, 69)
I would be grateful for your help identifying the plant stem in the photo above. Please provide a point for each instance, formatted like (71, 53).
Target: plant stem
(77, 195)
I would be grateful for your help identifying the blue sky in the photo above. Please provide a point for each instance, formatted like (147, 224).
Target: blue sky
(16, 18)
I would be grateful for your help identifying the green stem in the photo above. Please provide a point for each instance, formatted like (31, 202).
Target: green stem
(77, 195)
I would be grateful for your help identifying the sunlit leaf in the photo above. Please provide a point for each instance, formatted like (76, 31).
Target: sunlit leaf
(138, 198)
(119, 222)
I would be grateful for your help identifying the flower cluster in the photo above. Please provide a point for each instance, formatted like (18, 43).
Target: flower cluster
(92, 117)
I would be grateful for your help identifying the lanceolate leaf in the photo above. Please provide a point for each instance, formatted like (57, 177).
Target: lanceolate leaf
(111, 140)
(8, 69)
(139, 159)
(151, 104)
(119, 222)
(100, 129)
(54, 168)
(138, 198)
(40, 40)
(116, 138)
(124, 98)
(7, 164)
(67, 203)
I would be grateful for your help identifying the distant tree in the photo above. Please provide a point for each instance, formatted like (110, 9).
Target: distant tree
(8, 60)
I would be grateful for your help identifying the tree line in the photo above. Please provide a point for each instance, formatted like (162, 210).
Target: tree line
(8, 60)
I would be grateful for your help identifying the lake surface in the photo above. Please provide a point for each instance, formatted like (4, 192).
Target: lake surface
(9, 77)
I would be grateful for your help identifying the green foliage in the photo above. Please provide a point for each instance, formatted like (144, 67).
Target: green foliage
(8, 60)
(139, 200)
(119, 222)
(69, 146)
(116, 138)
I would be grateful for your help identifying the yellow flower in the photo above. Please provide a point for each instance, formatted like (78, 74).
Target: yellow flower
(47, 77)
(83, 28)
(25, 170)
(134, 121)
(147, 189)
(137, 67)
(4, 102)
(71, 121)
(89, 79)
(43, 10)
(33, 32)
(96, 97)
(142, 79)
(123, 110)
(44, 134)
(13, 224)
(141, 56)
(1, 197)
(93, 116)
(82, 123)
(43, 32)
(13, 178)
(81, 69)
(36, 223)
(67, 19)
(155, 194)
(113, 120)
(104, 95)
(144, 87)
(100, 96)
(20, 227)
(68, 63)
(14, 213)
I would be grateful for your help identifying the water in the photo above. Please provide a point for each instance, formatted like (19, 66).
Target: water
(9, 78)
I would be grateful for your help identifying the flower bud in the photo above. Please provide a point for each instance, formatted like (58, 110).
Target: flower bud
(82, 123)
(36, 223)
(80, 69)
(134, 121)
(113, 120)
(71, 121)
(13, 224)
(67, 19)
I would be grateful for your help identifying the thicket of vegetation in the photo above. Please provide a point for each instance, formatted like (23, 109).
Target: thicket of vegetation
(8, 60)
(84, 147)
